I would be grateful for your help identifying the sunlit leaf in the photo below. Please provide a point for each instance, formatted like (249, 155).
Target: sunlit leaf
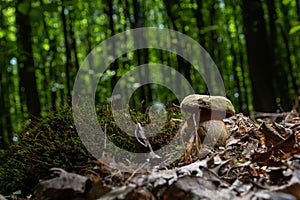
(2, 34)
(295, 28)
(286, 2)
(46, 47)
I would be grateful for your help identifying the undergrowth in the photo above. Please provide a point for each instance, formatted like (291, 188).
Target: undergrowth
(54, 142)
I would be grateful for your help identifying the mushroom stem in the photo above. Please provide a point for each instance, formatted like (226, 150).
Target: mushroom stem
(197, 142)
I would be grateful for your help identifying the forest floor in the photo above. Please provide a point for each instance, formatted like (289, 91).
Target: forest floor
(261, 160)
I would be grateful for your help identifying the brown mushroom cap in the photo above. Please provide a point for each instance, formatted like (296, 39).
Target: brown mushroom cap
(215, 105)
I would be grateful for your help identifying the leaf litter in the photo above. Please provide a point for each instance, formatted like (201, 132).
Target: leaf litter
(261, 160)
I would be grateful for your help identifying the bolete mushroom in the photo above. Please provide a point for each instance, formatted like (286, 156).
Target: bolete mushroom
(210, 111)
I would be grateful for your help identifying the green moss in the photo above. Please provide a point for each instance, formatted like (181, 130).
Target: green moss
(51, 142)
(54, 142)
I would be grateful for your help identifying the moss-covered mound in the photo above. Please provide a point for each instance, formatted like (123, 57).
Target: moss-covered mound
(50, 142)
(54, 142)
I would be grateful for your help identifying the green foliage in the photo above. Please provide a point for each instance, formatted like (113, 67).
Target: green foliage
(286, 2)
(295, 28)
(217, 26)
(24, 7)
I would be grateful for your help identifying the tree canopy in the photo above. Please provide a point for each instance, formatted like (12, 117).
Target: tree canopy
(255, 45)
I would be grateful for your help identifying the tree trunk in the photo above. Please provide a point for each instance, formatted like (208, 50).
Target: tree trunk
(142, 58)
(298, 8)
(281, 77)
(180, 61)
(5, 120)
(52, 52)
(236, 77)
(291, 47)
(241, 51)
(68, 54)
(199, 19)
(293, 77)
(2, 112)
(74, 46)
(259, 59)
(4, 97)
(26, 62)
(114, 66)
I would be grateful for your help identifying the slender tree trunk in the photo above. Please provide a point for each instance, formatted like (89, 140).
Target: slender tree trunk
(127, 12)
(5, 122)
(298, 8)
(198, 13)
(74, 46)
(3, 97)
(244, 83)
(2, 113)
(136, 24)
(142, 57)
(280, 75)
(289, 48)
(213, 36)
(8, 118)
(52, 53)
(186, 67)
(289, 63)
(26, 63)
(52, 74)
(199, 19)
(68, 54)
(89, 30)
(259, 59)
(115, 65)
(180, 61)
(242, 52)
(235, 74)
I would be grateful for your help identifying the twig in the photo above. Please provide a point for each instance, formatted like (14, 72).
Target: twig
(140, 132)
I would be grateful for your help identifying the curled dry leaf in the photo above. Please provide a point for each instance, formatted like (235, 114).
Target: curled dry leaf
(66, 186)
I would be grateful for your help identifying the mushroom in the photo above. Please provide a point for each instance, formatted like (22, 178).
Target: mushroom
(210, 111)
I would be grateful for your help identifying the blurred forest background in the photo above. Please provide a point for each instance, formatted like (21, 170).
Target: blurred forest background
(254, 43)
